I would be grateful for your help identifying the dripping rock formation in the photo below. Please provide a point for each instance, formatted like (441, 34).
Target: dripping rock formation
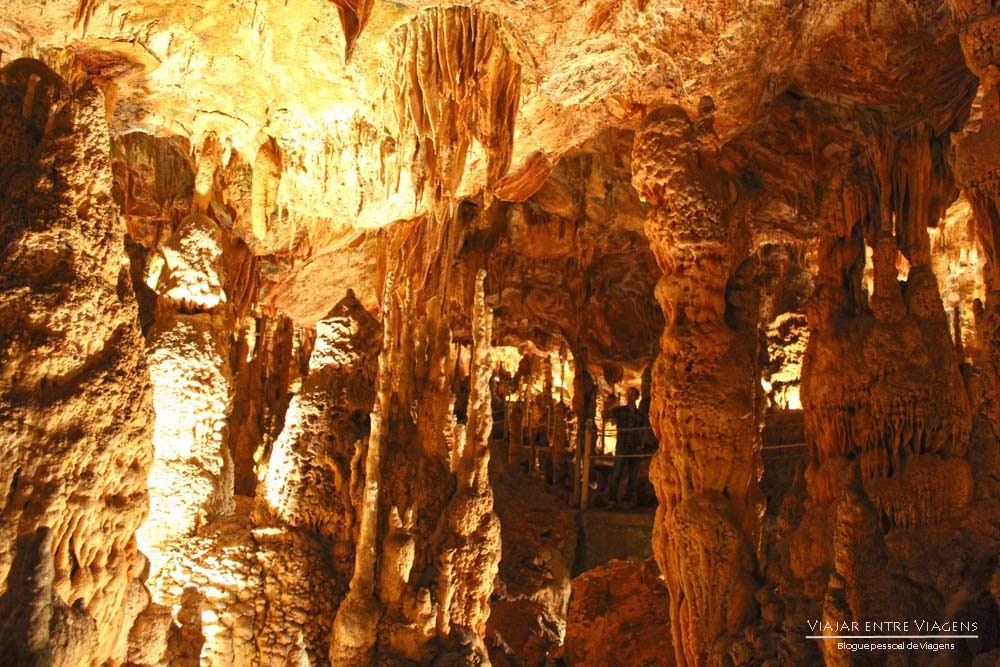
(536, 333)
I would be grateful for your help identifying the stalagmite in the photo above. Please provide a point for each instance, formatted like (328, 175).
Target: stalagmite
(469, 515)
(703, 402)
(437, 557)
(316, 464)
(440, 550)
(354, 630)
(191, 481)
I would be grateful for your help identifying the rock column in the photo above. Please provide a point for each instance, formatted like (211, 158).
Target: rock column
(977, 171)
(703, 397)
(887, 412)
(191, 481)
(75, 399)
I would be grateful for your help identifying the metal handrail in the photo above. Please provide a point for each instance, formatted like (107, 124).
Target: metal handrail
(622, 456)
(793, 445)
(584, 460)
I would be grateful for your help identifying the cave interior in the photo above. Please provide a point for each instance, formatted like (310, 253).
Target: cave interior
(520, 333)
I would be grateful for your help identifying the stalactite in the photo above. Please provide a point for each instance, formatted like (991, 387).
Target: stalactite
(84, 13)
(452, 80)
(353, 19)
(208, 162)
(267, 168)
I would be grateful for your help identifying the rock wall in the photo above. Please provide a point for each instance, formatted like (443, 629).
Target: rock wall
(267, 360)
(75, 396)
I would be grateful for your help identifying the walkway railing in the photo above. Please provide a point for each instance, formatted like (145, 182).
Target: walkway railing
(591, 436)
(586, 456)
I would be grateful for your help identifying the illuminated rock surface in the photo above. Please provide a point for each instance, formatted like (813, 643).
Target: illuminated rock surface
(308, 308)
(75, 397)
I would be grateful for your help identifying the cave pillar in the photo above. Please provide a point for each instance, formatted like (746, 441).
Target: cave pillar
(977, 171)
(703, 398)
(75, 399)
(191, 480)
(887, 415)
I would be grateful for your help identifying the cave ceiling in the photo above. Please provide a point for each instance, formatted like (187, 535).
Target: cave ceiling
(299, 91)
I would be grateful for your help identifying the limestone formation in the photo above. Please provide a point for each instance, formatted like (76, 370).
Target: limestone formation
(530, 603)
(191, 480)
(38, 627)
(321, 324)
(316, 468)
(705, 407)
(438, 553)
(266, 593)
(621, 604)
(75, 399)
(268, 359)
(453, 80)
(899, 420)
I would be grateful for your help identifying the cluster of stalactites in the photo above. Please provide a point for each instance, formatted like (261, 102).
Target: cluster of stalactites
(905, 408)
(887, 201)
(922, 189)
(882, 435)
(395, 607)
(452, 79)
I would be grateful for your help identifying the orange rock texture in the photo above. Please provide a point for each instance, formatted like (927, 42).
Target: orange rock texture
(75, 393)
(309, 310)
